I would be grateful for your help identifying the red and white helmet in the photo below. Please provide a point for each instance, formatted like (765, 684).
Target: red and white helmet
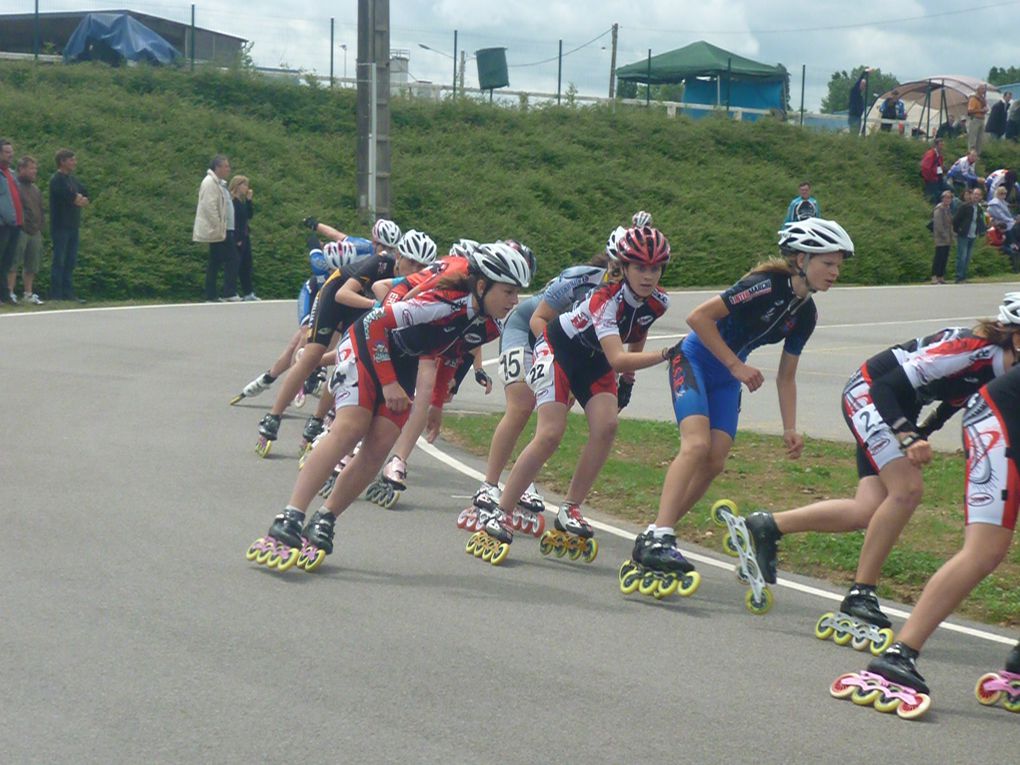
(386, 233)
(644, 245)
(339, 254)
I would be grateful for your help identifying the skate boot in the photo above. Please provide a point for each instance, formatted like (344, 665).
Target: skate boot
(739, 543)
(527, 515)
(313, 429)
(891, 683)
(657, 568)
(571, 536)
(317, 540)
(390, 484)
(269, 431)
(859, 622)
(492, 542)
(764, 536)
(254, 388)
(1004, 685)
(327, 487)
(486, 500)
(280, 547)
(313, 384)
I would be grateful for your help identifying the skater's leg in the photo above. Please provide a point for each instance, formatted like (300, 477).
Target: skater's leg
(603, 420)
(905, 487)
(350, 426)
(304, 365)
(375, 447)
(984, 547)
(520, 402)
(324, 405)
(552, 423)
(718, 451)
(691, 461)
(282, 364)
(836, 515)
(423, 386)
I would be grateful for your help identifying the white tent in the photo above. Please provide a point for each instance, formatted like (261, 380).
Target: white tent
(931, 102)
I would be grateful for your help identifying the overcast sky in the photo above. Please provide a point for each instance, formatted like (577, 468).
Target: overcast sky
(910, 38)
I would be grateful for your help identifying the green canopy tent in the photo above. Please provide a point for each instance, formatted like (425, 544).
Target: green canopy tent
(703, 68)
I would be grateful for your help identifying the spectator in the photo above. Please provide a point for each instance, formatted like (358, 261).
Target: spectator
(892, 109)
(858, 100)
(1013, 121)
(240, 195)
(67, 198)
(803, 206)
(214, 224)
(977, 108)
(933, 172)
(996, 125)
(1003, 177)
(942, 228)
(11, 215)
(964, 170)
(968, 225)
(28, 254)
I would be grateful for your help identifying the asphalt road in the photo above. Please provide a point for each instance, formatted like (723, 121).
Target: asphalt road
(135, 631)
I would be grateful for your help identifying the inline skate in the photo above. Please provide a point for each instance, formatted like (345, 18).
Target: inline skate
(327, 487)
(859, 622)
(492, 542)
(527, 514)
(891, 683)
(282, 545)
(658, 569)
(385, 491)
(738, 543)
(572, 535)
(486, 499)
(314, 428)
(315, 382)
(317, 540)
(254, 388)
(269, 431)
(1004, 685)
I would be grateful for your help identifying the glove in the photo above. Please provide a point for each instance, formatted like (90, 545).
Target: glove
(623, 392)
(482, 378)
(673, 351)
(310, 222)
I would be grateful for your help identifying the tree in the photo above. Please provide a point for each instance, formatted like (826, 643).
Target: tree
(1003, 75)
(841, 82)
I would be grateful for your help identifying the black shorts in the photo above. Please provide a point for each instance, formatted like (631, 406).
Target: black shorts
(328, 316)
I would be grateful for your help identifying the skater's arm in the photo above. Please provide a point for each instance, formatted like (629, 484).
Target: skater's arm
(703, 321)
(350, 294)
(623, 361)
(786, 384)
(381, 289)
(329, 232)
(544, 313)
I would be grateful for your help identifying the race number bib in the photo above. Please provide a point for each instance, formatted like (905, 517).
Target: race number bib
(511, 366)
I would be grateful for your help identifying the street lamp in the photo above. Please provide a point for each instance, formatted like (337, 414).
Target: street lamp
(454, 57)
(344, 46)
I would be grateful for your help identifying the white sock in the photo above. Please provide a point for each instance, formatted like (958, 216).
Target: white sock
(661, 531)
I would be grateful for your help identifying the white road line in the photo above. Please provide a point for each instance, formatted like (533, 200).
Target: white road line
(470, 472)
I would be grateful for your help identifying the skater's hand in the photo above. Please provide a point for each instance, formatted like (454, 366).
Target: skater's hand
(794, 443)
(432, 423)
(396, 400)
(483, 379)
(919, 453)
(748, 375)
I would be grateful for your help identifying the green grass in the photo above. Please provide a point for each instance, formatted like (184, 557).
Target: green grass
(556, 177)
(631, 481)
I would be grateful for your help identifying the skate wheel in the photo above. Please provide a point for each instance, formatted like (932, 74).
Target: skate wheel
(545, 545)
(758, 606)
(265, 552)
(859, 643)
(574, 548)
(649, 584)
(273, 560)
(824, 630)
(1012, 704)
(288, 560)
(464, 518)
(299, 399)
(987, 697)
(885, 704)
(469, 548)
(689, 584)
(730, 548)
(263, 447)
(499, 554)
(865, 697)
(668, 586)
(626, 567)
(236, 398)
(390, 502)
(844, 685)
(741, 576)
(255, 547)
(560, 546)
(314, 562)
(911, 710)
(538, 527)
(591, 550)
(630, 581)
(481, 545)
(886, 640)
(718, 517)
(487, 553)
(842, 638)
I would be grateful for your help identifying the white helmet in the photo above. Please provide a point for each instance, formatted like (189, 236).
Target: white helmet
(462, 248)
(1009, 311)
(417, 246)
(815, 236)
(386, 232)
(641, 219)
(613, 244)
(499, 262)
(339, 254)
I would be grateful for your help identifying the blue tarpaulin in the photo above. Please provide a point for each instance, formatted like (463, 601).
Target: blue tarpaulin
(113, 37)
(745, 94)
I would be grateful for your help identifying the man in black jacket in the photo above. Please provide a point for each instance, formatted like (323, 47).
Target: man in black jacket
(67, 197)
(858, 100)
(996, 125)
(968, 224)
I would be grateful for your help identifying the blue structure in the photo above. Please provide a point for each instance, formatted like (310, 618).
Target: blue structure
(115, 37)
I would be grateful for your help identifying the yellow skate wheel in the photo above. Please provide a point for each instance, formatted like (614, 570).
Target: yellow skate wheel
(481, 545)
(264, 554)
(591, 550)
(289, 560)
(575, 547)
(1012, 704)
(842, 638)
(487, 553)
(843, 686)
(560, 546)
(649, 584)
(499, 554)
(263, 447)
(723, 504)
(886, 640)
(625, 567)
(469, 548)
(273, 560)
(987, 697)
(313, 563)
(729, 547)
(865, 698)
(391, 500)
(253, 551)
(630, 581)
(689, 584)
(669, 585)
(545, 544)
(885, 704)
(758, 607)
(824, 631)
(911, 711)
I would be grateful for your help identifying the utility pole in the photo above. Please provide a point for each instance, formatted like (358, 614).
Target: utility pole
(331, 27)
(373, 75)
(455, 63)
(559, 73)
(463, 62)
(612, 65)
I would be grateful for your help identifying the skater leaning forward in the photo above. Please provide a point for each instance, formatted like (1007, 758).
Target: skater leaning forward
(991, 437)
(881, 404)
(377, 363)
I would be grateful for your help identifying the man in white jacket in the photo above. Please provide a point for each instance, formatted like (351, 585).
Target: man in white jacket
(214, 224)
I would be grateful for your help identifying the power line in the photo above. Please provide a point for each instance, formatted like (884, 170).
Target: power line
(554, 58)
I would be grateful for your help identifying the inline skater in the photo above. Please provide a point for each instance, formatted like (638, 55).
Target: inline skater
(772, 304)
(376, 368)
(881, 404)
(364, 247)
(991, 433)
(580, 355)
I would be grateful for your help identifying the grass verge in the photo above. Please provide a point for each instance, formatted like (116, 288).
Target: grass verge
(631, 480)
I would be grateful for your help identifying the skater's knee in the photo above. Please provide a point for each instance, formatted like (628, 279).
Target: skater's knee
(908, 496)
(547, 440)
(604, 432)
(697, 450)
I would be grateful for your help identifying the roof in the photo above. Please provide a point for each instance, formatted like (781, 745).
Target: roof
(699, 59)
(949, 94)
